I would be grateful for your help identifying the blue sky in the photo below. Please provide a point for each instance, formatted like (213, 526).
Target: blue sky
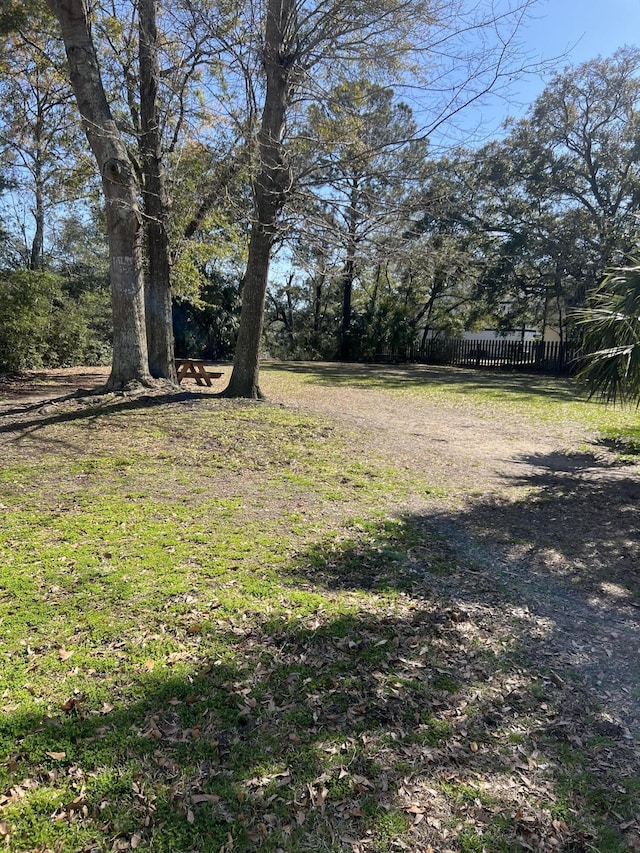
(581, 29)
(573, 31)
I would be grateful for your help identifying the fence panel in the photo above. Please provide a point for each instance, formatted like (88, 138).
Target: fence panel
(532, 356)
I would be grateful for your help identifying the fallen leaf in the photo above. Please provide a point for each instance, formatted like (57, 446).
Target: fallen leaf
(205, 798)
(57, 756)
(63, 654)
(149, 665)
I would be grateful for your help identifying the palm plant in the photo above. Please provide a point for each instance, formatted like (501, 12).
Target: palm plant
(611, 336)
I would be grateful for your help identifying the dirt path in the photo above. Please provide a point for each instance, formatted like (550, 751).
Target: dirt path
(548, 516)
(545, 522)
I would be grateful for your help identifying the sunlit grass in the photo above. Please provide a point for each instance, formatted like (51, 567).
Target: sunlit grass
(545, 399)
(215, 637)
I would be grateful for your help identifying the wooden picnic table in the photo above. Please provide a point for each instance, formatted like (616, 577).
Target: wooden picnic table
(195, 368)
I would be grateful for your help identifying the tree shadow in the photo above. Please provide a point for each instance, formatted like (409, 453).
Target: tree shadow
(86, 405)
(408, 717)
(578, 520)
(445, 554)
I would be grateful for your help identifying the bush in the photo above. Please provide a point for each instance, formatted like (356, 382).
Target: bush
(26, 301)
(42, 326)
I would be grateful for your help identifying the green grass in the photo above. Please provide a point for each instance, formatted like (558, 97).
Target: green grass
(543, 399)
(625, 440)
(213, 637)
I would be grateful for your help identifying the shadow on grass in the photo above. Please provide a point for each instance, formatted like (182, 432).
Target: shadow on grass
(89, 407)
(386, 377)
(580, 521)
(411, 718)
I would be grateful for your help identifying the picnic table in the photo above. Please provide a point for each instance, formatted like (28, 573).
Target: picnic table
(195, 368)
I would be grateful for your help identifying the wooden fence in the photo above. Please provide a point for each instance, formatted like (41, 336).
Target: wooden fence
(532, 356)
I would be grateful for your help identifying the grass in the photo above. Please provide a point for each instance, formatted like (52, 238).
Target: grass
(624, 440)
(543, 399)
(214, 637)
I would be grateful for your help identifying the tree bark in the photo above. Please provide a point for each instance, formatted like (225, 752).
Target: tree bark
(348, 275)
(130, 360)
(159, 321)
(37, 244)
(271, 187)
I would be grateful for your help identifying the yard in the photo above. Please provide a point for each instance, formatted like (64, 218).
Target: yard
(393, 608)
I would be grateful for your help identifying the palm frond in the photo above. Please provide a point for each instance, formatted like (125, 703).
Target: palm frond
(610, 325)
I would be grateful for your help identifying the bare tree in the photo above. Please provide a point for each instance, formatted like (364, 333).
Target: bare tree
(39, 133)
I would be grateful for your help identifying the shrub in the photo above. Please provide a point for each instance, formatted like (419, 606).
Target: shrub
(42, 326)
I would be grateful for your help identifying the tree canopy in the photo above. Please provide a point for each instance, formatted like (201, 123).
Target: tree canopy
(230, 134)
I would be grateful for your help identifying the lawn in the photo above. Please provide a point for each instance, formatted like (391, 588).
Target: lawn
(220, 631)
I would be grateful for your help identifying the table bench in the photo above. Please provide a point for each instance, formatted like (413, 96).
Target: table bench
(195, 368)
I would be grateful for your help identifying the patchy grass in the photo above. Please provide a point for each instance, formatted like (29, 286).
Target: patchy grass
(542, 399)
(624, 440)
(218, 634)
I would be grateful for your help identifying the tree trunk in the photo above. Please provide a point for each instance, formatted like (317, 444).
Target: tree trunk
(348, 276)
(244, 380)
(130, 361)
(290, 317)
(37, 244)
(317, 305)
(344, 352)
(159, 321)
(270, 190)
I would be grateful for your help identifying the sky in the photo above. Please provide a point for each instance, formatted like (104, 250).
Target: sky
(581, 29)
(574, 31)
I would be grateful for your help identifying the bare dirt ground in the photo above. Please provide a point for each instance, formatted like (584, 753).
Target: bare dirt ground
(541, 515)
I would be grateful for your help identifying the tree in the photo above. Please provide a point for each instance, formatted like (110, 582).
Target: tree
(549, 208)
(39, 135)
(270, 187)
(583, 142)
(159, 322)
(151, 64)
(368, 165)
(306, 48)
(124, 220)
(572, 177)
